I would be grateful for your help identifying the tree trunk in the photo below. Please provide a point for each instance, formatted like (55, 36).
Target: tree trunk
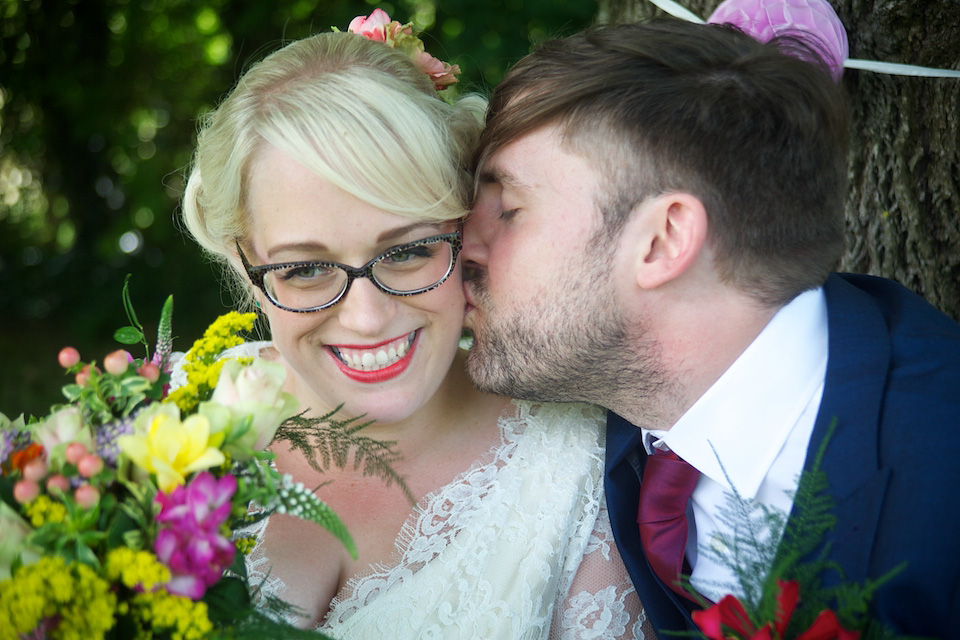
(903, 205)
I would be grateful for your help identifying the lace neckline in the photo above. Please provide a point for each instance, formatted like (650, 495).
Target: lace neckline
(431, 515)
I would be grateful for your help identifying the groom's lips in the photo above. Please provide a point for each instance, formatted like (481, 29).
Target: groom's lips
(468, 305)
(468, 295)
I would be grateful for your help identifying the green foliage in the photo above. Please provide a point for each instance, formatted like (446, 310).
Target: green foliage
(326, 442)
(264, 485)
(766, 547)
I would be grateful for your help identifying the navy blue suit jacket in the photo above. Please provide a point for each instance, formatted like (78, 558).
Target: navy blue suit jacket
(893, 464)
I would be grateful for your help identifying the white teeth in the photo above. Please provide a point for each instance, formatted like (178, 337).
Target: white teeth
(371, 360)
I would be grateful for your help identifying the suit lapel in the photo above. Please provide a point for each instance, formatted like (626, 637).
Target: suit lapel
(664, 608)
(857, 365)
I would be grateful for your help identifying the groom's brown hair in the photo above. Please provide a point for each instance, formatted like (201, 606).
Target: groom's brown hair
(757, 132)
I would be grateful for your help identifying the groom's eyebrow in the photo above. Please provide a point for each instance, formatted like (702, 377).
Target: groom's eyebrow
(505, 179)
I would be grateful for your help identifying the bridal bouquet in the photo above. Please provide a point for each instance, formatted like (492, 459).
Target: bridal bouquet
(122, 510)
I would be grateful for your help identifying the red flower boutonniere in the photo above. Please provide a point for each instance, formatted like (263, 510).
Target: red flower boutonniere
(729, 619)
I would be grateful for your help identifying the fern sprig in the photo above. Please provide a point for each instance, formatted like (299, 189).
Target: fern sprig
(327, 441)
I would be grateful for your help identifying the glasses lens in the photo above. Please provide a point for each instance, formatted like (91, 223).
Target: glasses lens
(413, 268)
(305, 287)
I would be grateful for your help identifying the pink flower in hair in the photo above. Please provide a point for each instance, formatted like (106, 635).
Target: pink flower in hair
(373, 26)
(443, 74)
(378, 26)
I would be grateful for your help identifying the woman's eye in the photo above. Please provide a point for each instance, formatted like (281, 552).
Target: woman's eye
(408, 254)
(308, 272)
(508, 214)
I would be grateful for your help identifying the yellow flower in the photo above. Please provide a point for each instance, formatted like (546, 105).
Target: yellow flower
(43, 510)
(180, 616)
(200, 362)
(83, 602)
(135, 568)
(171, 449)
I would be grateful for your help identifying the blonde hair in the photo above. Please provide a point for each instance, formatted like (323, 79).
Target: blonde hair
(357, 112)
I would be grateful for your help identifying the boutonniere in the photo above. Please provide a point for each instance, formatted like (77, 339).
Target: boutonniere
(778, 563)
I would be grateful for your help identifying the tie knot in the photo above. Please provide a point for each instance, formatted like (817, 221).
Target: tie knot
(669, 477)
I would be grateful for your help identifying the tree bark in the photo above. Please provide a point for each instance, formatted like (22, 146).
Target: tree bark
(903, 204)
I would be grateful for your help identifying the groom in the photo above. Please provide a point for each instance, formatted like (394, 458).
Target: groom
(659, 210)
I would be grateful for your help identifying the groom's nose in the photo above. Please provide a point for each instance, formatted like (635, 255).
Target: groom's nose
(475, 249)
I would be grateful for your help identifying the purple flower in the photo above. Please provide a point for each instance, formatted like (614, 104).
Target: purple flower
(7, 439)
(106, 437)
(189, 543)
(13, 436)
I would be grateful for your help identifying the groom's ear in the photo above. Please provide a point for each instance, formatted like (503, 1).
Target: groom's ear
(670, 232)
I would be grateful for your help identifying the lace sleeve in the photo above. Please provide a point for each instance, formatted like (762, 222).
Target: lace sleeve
(602, 603)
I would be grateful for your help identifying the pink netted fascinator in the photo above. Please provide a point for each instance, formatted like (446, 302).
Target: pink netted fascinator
(764, 19)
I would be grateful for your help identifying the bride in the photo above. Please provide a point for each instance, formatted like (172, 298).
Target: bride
(332, 181)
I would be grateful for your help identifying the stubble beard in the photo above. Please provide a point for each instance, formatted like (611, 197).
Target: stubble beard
(574, 347)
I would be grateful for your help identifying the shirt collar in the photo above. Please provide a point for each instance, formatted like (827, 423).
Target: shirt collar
(735, 430)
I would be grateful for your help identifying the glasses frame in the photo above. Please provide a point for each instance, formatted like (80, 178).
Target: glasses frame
(257, 273)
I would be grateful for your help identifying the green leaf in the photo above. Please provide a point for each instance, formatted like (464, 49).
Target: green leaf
(135, 384)
(128, 335)
(86, 555)
(128, 304)
(72, 391)
(225, 599)
(133, 538)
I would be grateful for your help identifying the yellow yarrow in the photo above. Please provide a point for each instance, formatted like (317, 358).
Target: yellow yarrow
(183, 618)
(135, 568)
(200, 362)
(245, 544)
(82, 600)
(43, 510)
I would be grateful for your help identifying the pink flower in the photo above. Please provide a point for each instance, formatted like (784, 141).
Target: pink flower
(379, 27)
(443, 74)
(373, 26)
(189, 543)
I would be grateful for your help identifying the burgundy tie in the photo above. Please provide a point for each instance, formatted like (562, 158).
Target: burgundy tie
(668, 482)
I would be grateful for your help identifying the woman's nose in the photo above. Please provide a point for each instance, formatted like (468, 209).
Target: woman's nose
(365, 309)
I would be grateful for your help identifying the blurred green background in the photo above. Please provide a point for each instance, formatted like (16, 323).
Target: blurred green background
(99, 101)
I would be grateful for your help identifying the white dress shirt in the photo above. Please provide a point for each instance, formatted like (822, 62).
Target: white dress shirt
(751, 429)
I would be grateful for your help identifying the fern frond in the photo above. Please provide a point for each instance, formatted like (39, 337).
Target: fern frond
(326, 441)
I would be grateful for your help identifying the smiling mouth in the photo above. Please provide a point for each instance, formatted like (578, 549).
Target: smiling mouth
(375, 358)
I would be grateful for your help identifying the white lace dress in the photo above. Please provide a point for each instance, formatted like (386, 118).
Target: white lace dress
(517, 546)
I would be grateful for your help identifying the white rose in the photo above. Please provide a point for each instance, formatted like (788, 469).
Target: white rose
(60, 429)
(12, 542)
(249, 393)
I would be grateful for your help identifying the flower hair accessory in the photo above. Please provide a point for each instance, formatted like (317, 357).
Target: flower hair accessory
(378, 26)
